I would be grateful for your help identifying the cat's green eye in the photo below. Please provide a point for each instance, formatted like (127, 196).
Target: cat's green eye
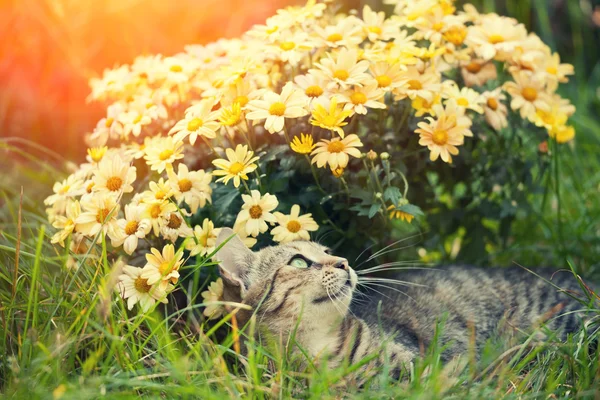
(298, 262)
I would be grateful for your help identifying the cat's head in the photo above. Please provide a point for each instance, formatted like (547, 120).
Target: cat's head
(286, 282)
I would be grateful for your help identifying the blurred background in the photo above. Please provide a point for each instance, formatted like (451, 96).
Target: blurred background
(50, 49)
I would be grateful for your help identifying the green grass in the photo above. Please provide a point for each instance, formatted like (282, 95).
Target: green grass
(64, 332)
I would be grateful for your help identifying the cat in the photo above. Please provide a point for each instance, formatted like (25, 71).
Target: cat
(301, 287)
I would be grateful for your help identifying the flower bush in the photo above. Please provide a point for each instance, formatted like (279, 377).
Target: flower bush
(316, 121)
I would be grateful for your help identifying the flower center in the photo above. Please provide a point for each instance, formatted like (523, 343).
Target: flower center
(440, 137)
(456, 35)
(109, 121)
(383, 81)
(236, 168)
(184, 185)
(159, 195)
(155, 210)
(176, 68)
(255, 212)
(141, 285)
(293, 226)
(358, 98)
(174, 221)
(89, 187)
(137, 119)
(287, 46)
(474, 67)
(314, 91)
(438, 26)
(165, 154)
(241, 100)
(131, 227)
(102, 215)
(552, 70)
(492, 103)
(195, 124)
(96, 153)
(335, 146)
(341, 74)
(529, 93)
(334, 37)
(375, 29)
(114, 183)
(415, 84)
(462, 102)
(496, 38)
(277, 108)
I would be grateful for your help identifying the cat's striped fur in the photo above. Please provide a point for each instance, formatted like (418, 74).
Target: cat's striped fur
(316, 303)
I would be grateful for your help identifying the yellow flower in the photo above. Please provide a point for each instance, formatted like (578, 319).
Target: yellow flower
(95, 154)
(343, 70)
(231, 116)
(335, 152)
(162, 152)
(256, 212)
(303, 145)
(465, 97)
(204, 240)
(275, 108)
(562, 133)
(212, 295)
(399, 214)
(239, 163)
(162, 268)
(443, 134)
(199, 120)
(136, 289)
(330, 116)
(528, 94)
(293, 226)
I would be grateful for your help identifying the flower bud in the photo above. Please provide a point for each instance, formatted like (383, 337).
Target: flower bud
(378, 195)
(385, 155)
(371, 155)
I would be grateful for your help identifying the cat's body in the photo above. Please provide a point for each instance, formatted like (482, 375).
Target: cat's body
(299, 288)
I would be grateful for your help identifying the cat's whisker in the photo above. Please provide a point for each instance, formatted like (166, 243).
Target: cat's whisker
(368, 287)
(383, 251)
(389, 288)
(333, 302)
(394, 281)
(364, 251)
(391, 266)
(350, 311)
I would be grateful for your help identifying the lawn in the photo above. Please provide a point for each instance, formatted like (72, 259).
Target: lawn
(64, 334)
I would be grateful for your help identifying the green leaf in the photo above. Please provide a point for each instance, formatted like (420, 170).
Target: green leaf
(392, 194)
(374, 210)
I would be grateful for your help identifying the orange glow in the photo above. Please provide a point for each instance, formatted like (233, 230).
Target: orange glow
(50, 49)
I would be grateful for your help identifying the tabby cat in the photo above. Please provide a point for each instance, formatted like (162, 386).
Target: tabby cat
(303, 281)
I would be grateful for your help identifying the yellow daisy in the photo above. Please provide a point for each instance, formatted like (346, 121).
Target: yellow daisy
(328, 115)
(293, 226)
(238, 165)
(162, 268)
(303, 144)
(336, 151)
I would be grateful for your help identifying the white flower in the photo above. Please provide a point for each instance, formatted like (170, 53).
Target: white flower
(256, 212)
(293, 226)
(136, 289)
(359, 98)
(204, 240)
(162, 152)
(212, 295)
(275, 108)
(199, 120)
(131, 228)
(100, 213)
(114, 175)
(191, 186)
(174, 226)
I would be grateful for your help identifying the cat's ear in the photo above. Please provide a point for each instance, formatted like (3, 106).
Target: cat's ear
(234, 259)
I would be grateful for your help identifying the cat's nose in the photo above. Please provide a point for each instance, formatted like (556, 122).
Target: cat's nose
(342, 264)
